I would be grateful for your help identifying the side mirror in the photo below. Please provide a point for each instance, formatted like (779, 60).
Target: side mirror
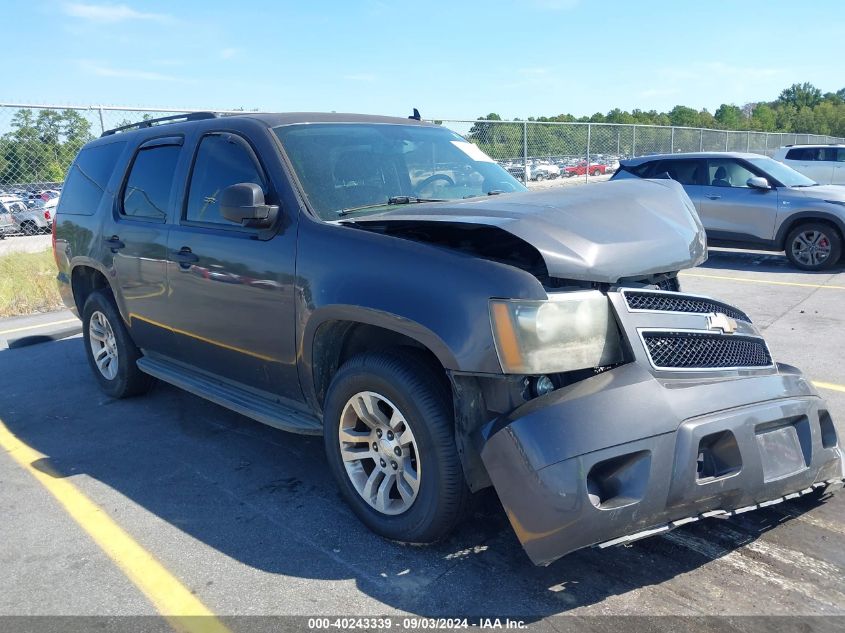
(758, 182)
(244, 204)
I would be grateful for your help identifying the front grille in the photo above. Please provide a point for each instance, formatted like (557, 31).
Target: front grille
(666, 302)
(693, 350)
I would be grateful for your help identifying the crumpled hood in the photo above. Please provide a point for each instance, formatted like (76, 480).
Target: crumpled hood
(598, 232)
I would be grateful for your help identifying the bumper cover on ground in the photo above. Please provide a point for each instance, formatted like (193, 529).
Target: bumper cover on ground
(623, 453)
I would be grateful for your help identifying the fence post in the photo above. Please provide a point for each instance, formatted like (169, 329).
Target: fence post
(633, 141)
(525, 153)
(727, 138)
(618, 145)
(701, 140)
(672, 141)
(102, 123)
(587, 170)
(748, 142)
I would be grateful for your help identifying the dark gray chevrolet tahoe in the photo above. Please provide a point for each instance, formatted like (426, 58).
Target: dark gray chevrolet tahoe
(384, 283)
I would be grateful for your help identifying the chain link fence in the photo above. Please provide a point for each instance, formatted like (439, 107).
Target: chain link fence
(38, 143)
(542, 154)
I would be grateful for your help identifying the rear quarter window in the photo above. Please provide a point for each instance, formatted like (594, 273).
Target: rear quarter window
(87, 178)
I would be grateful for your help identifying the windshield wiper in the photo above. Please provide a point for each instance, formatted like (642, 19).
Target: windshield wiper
(390, 201)
(411, 200)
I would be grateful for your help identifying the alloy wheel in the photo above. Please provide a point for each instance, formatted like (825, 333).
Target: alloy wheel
(811, 247)
(379, 453)
(103, 345)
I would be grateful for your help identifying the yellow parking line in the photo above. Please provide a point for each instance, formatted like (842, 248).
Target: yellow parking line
(172, 599)
(36, 327)
(762, 281)
(829, 385)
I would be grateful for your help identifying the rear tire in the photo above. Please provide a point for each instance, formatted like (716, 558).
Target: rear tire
(807, 242)
(405, 389)
(111, 352)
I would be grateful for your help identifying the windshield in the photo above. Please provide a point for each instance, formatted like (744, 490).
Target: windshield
(786, 175)
(357, 167)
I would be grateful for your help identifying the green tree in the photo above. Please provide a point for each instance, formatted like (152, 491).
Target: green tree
(763, 117)
(683, 116)
(730, 117)
(801, 95)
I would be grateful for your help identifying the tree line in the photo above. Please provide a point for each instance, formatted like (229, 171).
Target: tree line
(801, 108)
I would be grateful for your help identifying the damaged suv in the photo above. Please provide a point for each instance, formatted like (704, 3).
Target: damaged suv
(384, 283)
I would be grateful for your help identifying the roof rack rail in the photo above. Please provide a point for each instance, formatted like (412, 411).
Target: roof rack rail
(189, 116)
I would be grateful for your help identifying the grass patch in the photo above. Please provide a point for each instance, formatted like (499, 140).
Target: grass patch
(28, 283)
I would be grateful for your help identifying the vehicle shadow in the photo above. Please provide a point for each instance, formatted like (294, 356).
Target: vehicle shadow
(265, 499)
(759, 261)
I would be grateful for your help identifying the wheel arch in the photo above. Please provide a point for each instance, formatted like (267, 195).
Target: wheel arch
(805, 217)
(339, 332)
(86, 278)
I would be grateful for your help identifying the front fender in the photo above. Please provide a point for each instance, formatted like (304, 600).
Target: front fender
(433, 295)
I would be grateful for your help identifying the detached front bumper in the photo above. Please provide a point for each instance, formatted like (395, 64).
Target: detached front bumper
(624, 454)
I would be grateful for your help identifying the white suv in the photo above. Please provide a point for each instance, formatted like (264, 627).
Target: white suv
(823, 163)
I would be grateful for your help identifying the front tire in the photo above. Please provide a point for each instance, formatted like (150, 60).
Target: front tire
(813, 246)
(111, 352)
(390, 444)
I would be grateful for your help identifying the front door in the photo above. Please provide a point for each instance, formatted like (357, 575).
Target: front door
(135, 243)
(231, 289)
(730, 209)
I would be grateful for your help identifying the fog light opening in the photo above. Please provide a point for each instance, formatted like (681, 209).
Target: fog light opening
(827, 429)
(718, 456)
(541, 385)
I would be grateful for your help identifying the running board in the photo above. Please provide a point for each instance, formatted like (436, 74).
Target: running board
(239, 400)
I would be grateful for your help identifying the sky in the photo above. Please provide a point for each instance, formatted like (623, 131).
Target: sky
(450, 59)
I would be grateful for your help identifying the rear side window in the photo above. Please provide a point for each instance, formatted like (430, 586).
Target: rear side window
(222, 160)
(87, 178)
(812, 154)
(800, 153)
(147, 192)
(686, 172)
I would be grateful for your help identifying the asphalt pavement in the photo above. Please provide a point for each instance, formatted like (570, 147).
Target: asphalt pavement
(249, 521)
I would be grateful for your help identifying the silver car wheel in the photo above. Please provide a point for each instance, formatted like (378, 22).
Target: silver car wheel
(811, 248)
(379, 453)
(103, 345)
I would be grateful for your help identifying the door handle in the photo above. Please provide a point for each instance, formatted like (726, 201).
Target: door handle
(712, 196)
(185, 257)
(114, 243)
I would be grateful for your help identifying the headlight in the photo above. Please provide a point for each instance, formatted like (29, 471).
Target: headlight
(572, 330)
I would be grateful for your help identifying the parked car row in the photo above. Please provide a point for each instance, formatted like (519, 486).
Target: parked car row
(25, 216)
(562, 167)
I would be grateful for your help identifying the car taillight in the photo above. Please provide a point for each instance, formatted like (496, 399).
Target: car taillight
(46, 215)
(55, 253)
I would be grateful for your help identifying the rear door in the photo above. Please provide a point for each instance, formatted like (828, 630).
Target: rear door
(839, 167)
(687, 171)
(135, 241)
(232, 288)
(730, 209)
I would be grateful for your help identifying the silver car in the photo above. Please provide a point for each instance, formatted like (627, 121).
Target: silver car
(752, 201)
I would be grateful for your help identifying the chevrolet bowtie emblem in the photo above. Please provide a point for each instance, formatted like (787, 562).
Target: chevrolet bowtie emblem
(719, 321)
